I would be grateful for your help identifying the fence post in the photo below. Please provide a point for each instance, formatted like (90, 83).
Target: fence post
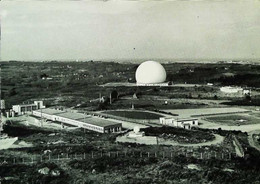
(171, 154)
(32, 159)
(23, 160)
(92, 155)
(148, 154)
(14, 160)
(109, 154)
(141, 154)
(125, 153)
(58, 157)
(116, 153)
(201, 155)
(155, 154)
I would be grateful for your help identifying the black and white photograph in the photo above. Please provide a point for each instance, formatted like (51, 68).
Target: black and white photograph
(130, 91)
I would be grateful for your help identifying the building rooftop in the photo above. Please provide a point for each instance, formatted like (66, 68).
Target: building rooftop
(73, 115)
(25, 105)
(50, 111)
(79, 117)
(179, 118)
(99, 122)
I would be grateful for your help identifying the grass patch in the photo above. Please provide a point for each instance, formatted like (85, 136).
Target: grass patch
(134, 114)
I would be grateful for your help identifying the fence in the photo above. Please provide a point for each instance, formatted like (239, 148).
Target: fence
(116, 154)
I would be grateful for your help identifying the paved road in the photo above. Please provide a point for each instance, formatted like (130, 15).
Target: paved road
(250, 129)
(218, 140)
(152, 140)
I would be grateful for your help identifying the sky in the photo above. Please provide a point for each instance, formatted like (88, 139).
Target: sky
(130, 30)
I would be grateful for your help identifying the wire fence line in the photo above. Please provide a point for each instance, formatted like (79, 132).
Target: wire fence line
(118, 154)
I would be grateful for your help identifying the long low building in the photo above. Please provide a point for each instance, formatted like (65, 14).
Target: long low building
(182, 123)
(80, 120)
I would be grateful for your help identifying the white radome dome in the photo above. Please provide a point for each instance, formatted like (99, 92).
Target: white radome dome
(150, 72)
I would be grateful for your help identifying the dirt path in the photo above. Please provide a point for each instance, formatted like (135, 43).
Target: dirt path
(250, 129)
(252, 141)
(150, 140)
(218, 139)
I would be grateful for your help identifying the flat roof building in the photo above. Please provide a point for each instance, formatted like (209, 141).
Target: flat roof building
(25, 108)
(80, 120)
(186, 123)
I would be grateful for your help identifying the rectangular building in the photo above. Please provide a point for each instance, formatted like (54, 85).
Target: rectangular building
(89, 122)
(182, 123)
(25, 108)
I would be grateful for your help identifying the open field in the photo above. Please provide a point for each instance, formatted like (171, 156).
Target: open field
(234, 119)
(73, 83)
(134, 114)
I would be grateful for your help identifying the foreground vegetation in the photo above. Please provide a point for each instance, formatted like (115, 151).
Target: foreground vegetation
(179, 134)
(124, 168)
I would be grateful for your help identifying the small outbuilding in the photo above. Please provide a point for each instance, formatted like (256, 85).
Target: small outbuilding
(186, 123)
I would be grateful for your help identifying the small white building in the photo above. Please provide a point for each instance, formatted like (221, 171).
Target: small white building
(136, 133)
(181, 123)
(25, 108)
(2, 104)
(230, 89)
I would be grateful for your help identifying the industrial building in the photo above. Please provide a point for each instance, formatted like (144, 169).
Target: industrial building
(89, 122)
(182, 123)
(25, 108)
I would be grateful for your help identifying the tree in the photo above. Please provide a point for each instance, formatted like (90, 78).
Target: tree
(248, 98)
(12, 92)
(215, 97)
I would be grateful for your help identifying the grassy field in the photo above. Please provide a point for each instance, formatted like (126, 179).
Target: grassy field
(72, 83)
(234, 119)
(134, 114)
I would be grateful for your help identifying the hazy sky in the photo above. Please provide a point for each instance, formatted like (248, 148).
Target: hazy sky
(64, 30)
